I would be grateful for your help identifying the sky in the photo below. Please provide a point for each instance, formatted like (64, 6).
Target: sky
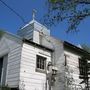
(12, 23)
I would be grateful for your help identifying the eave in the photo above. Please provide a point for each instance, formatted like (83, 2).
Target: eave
(37, 45)
(76, 49)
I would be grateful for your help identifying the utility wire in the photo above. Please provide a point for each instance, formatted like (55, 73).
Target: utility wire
(23, 20)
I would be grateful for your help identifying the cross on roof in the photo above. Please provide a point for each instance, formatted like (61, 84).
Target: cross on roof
(33, 13)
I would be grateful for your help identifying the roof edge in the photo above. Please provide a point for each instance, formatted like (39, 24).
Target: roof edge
(38, 45)
(76, 48)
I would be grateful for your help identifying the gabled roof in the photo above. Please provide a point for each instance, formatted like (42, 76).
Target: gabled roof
(76, 49)
(32, 22)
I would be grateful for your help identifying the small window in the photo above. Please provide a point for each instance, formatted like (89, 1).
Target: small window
(40, 63)
(65, 56)
(83, 68)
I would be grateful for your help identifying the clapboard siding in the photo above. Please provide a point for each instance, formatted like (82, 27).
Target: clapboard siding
(28, 73)
(13, 47)
(4, 49)
(14, 66)
(26, 32)
(13, 72)
(37, 76)
(12, 59)
(73, 63)
(14, 84)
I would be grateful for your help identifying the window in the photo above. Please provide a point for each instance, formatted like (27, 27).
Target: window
(40, 63)
(65, 60)
(66, 56)
(1, 66)
(83, 67)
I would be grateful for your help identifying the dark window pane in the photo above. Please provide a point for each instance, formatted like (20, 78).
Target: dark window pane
(41, 62)
(1, 65)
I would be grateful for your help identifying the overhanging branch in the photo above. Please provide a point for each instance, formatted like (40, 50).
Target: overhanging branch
(83, 1)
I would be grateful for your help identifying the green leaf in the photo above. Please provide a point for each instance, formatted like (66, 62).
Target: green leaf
(54, 1)
(86, 47)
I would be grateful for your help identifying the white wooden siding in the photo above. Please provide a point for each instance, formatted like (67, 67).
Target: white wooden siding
(13, 73)
(26, 32)
(4, 49)
(73, 63)
(13, 49)
(31, 79)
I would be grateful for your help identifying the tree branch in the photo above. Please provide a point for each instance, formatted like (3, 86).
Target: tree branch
(83, 1)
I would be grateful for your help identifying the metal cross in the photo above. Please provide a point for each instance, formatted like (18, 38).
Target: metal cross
(33, 14)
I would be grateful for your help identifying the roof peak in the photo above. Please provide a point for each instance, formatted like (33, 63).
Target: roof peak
(32, 22)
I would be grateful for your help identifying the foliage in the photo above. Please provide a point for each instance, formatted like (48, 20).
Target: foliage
(86, 47)
(74, 11)
(4, 88)
(1, 33)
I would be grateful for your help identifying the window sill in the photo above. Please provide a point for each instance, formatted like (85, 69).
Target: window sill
(40, 70)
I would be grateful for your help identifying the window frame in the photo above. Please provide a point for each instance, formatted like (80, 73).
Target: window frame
(41, 69)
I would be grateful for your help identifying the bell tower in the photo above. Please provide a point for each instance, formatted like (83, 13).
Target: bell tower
(33, 30)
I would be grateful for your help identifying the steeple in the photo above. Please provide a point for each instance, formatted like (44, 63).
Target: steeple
(33, 30)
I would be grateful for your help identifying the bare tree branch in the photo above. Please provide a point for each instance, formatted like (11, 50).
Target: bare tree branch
(83, 1)
(74, 11)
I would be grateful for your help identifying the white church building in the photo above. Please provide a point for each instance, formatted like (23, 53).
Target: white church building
(34, 60)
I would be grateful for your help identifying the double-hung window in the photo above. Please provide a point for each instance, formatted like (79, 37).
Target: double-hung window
(40, 63)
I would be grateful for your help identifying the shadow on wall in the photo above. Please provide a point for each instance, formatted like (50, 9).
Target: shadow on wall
(7, 88)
